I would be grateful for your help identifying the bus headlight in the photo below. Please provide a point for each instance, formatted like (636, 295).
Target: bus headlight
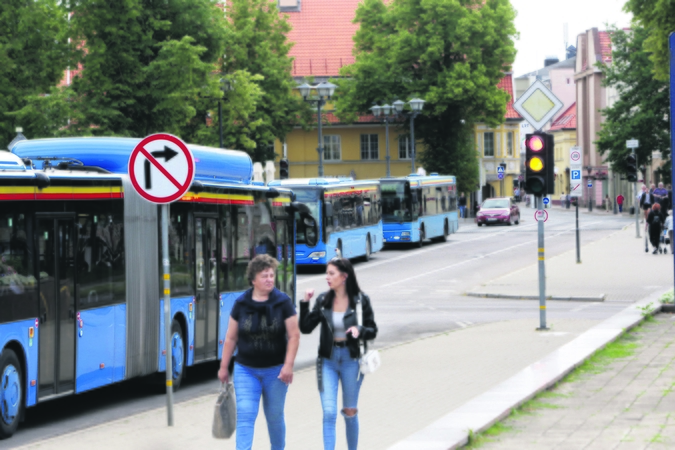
(317, 255)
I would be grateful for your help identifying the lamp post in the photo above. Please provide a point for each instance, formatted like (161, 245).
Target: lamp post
(226, 86)
(416, 105)
(324, 92)
(388, 113)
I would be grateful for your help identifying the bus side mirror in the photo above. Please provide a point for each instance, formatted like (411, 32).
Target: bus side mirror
(328, 206)
(311, 229)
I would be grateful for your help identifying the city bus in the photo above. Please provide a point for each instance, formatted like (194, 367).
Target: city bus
(348, 212)
(80, 288)
(416, 208)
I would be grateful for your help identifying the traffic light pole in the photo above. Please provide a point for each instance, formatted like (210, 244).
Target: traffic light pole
(542, 266)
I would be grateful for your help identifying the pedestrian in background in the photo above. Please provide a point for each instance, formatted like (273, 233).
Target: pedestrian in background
(668, 226)
(562, 199)
(669, 188)
(646, 201)
(661, 197)
(608, 206)
(338, 361)
(263, 327)
(462, 205)
(655, 220)
(619, 202)
(516, 193)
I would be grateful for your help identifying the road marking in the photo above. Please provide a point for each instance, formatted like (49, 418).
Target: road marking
(581, 308)
(471, 259)
(419, 252)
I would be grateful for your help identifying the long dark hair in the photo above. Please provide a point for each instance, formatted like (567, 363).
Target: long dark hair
(351, 286)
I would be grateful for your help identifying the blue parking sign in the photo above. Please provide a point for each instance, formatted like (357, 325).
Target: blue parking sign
(576, 174)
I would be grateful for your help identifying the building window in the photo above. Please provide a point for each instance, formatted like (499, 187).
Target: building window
(289, 5)
(331, 148)
(509, 143)
(489, 144)
(369, 146)
(403, 147)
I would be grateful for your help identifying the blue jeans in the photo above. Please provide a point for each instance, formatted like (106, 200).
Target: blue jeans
(462, 211)
(249, 384)
(340, 367)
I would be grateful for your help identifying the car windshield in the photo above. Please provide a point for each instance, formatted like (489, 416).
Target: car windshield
(495, 203)
(395, 204)
(309, 197)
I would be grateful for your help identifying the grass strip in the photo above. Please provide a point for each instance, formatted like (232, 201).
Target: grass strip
(624, 347)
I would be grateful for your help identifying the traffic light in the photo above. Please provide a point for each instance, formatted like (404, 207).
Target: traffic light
(631, 168)
(539, 163)
(283, 169)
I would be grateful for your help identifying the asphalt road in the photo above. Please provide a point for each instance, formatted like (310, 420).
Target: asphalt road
(415, 293)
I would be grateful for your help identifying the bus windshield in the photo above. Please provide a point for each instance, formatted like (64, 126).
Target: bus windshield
(395, 202)
(309, 197)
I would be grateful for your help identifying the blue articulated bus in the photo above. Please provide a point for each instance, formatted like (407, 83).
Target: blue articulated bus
(349, 215)
(416, 208)
(80, 289)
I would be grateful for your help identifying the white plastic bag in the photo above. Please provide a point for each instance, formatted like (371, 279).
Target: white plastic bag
(225, 414)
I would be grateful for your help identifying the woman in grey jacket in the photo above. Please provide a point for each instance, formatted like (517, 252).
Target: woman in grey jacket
(338, 360)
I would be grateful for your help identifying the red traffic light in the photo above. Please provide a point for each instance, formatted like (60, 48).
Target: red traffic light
(535, 143)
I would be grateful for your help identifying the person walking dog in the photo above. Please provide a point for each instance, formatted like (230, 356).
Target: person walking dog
(264, 328)
(338, 360)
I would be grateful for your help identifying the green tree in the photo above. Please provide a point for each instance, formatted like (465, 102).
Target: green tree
(256, 43)
(451, 53)
(657, 17)
(642, 109)
(148, 65)
(34, 52)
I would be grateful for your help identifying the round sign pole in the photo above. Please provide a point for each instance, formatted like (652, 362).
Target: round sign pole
(161, 169)
(542, 267)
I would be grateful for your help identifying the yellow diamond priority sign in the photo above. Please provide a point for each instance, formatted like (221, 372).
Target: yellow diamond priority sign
(538, 105)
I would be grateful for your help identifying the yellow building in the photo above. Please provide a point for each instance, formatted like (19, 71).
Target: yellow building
(498, 147)
(564, 130)
(357, 150)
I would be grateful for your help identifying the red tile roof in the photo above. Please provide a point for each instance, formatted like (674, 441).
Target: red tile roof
(567, 120)
(506, 84)
(322, 33)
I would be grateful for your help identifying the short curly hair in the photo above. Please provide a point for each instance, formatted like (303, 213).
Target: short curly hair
(258, 264)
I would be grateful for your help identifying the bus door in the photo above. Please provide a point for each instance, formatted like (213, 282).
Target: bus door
(206, 300)
(56, 265)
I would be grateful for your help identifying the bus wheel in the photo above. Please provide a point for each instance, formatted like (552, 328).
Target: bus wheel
(177, 355)
(366, 257)
(11, 393)
(446, 232)
(421, 242)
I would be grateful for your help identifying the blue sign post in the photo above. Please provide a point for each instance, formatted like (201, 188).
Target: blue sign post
(671, 46)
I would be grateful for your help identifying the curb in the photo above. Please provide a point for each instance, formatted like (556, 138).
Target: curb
(599, 298)
(480, 413)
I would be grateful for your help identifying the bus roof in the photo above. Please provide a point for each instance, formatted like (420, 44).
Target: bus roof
(423, 181)
(112, 154)
(320, 182)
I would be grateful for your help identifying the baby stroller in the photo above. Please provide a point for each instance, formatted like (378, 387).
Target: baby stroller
(665, 240)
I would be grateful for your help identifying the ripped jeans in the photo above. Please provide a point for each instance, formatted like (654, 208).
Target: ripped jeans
(340, 367)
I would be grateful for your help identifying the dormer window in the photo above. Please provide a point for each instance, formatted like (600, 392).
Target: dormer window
(289, 5)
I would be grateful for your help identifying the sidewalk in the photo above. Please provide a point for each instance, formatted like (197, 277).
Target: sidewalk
(626, 404)
(613, 268)
(421, 382)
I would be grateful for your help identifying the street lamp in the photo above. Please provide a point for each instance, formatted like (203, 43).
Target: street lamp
(324, 91)
(388, 113)
(226, 86)
(416, 105)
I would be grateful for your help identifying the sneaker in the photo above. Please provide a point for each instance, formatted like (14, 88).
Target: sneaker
(654, 252)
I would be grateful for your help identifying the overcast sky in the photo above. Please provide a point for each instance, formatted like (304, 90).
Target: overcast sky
(540, 24)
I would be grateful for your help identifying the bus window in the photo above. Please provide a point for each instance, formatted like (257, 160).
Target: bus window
(18, 286)
(263, 234)
(101, 276)
(226, 280)
(180, 249)
(309, 197)
(243, 219)
(416, 203)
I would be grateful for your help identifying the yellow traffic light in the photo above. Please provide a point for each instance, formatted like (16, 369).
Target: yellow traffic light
(536, 164)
